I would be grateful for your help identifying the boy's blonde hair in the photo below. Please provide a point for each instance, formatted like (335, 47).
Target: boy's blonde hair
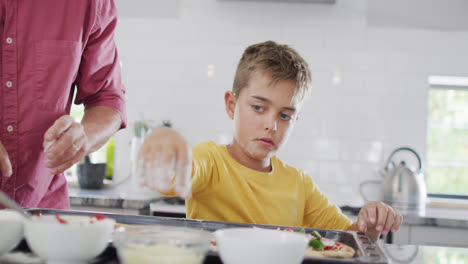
(280, 61)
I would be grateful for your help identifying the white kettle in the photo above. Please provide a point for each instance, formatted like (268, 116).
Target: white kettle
(403, 187)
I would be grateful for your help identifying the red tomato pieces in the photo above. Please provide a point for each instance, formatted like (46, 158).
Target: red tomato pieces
(331, 247)
(61, 220)
(99, 217)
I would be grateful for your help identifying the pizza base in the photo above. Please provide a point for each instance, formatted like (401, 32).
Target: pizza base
(341, 251)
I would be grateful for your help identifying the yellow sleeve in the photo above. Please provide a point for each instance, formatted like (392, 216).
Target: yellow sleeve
(202, 167)
(319, 212)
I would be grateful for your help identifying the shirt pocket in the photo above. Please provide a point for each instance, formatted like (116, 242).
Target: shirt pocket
(56, 68)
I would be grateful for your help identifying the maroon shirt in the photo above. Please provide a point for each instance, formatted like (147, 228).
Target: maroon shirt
(46, 47)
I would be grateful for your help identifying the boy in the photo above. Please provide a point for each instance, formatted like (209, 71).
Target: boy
(245, 181)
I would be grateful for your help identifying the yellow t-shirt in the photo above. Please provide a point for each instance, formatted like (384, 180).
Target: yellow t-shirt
(224, 190)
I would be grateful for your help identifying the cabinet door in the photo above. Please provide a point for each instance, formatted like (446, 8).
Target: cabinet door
(438, 236)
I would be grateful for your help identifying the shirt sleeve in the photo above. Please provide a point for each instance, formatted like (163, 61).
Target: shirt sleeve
(202, 169)
(319, 212)
(99, 81)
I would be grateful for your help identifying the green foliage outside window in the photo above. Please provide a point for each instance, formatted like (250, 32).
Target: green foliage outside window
(447, 142)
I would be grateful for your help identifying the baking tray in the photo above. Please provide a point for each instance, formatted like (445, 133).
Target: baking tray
(366, 250)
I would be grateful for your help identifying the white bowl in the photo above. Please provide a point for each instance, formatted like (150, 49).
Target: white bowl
(161, 244)
(260, 246)
(80, 239)
(11, 230)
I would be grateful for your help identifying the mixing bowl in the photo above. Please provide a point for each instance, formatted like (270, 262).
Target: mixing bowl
(260, 246)
(11, 230)
(68, 238)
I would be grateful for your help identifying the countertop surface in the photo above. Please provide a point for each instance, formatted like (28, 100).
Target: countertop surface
(429, 216)
(438, 212)
(424, 254)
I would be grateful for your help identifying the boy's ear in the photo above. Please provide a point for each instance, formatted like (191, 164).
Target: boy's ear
(230, 102)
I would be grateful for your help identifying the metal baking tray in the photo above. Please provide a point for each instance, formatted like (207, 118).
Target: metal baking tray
(366, 250)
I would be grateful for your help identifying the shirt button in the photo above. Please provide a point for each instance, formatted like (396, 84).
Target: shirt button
(9, 84)
(10, 128)
(9, 40)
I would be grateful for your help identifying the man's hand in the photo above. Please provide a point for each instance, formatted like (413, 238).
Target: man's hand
(164, 153)
(5, 164)
(377, 217)
(65, 143)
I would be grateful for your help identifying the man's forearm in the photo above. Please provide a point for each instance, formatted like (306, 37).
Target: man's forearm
(100, 123)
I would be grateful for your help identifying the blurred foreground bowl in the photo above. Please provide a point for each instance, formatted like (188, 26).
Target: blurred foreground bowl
(11, 230)
(161, 244)
(68, 238)
(260, 246)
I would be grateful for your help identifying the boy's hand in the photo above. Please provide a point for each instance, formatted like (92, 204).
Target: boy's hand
(377, 217)
(164, 153)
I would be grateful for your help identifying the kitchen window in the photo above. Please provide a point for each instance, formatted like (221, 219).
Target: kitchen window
(447, 137)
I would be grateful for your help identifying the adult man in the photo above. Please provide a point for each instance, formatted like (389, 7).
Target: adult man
(48, 48)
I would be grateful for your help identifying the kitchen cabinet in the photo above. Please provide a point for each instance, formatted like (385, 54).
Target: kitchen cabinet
(435, 227)
(438, 236)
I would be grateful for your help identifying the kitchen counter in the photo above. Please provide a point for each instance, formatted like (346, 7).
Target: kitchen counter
(442, 217)
(439, 212)
(424, 254)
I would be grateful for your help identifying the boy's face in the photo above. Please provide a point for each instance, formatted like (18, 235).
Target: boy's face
(264, 115)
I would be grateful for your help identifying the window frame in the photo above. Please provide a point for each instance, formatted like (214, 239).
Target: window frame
(437, 84)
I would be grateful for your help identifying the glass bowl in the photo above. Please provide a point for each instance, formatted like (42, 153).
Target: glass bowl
(161, 244)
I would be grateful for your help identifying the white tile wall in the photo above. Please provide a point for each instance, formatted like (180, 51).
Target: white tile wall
(369, 87)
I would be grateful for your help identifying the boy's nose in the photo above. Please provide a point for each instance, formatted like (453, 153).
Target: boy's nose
(272, 126)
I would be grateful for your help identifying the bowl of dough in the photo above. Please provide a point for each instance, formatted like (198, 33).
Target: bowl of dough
(161, 244)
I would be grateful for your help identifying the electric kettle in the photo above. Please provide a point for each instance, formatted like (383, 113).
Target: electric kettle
(403, 187)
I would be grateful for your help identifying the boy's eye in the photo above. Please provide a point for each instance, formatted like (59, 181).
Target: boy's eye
(258, 108)
(285, 117)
